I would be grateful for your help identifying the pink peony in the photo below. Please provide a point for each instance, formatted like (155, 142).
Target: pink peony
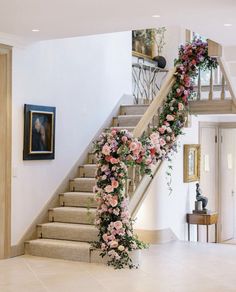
(118, 225)
(109, 189)
(106, 150)
(170, 118)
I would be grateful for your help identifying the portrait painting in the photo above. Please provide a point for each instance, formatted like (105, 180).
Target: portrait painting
(191, 162)
(39, 136)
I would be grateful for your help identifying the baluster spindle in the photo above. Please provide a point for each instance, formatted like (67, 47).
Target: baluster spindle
(199, 86)
(222, 95)
(210, 97)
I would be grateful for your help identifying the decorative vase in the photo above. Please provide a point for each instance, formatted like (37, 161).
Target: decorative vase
(161, 61)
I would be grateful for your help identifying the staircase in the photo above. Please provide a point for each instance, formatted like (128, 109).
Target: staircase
(70, 228)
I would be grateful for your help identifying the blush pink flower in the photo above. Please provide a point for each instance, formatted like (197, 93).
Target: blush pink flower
(162, 130)
(106, 150)
(109, 189)
(162, 142)
(180, 106)
(170, 118)
(115, 184)
(118, 225)
(114, 160)
(113, 201)
(113, 244)
(133, 146)
(124, 139)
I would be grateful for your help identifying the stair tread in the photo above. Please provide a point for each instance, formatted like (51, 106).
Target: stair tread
(70, 209)
(130, 116)
(89, 165)
(85, 178)
(77, 194)
(60, 242)
(69, 225)
(138, 105)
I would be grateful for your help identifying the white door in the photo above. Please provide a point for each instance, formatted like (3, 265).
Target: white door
(208, 173)
(227, 181)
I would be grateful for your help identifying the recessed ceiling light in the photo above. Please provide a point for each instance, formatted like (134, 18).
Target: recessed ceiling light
(156, 16)
(35, 30)
(228, 24)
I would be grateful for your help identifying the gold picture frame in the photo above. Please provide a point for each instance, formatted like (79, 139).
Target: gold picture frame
(192, 156)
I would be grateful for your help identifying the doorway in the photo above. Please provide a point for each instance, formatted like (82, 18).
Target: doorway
(218, 174)
(5, 149)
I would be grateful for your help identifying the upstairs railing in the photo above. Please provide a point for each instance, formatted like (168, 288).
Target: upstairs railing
(138, 183)
(214, 84)
(147, 81)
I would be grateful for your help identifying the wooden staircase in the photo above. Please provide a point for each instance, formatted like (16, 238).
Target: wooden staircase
(70, 230)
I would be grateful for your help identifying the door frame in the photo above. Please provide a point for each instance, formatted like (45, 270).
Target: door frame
(218, 126)
(5, 150)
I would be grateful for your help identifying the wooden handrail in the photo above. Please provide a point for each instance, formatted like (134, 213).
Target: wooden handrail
(156, 104)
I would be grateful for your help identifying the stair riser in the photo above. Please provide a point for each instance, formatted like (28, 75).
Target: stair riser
(73, 234)
(82, 186)
(92, 158)
(87, 171)
(78, 201)
(85, 217)
(133, 110)
(58, 252)
(126, 121)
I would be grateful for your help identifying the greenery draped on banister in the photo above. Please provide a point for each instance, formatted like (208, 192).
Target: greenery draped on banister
(120, 152)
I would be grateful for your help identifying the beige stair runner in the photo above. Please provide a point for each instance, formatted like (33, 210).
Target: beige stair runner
(70, 230)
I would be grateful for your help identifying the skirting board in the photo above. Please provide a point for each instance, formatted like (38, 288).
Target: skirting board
(156, 236)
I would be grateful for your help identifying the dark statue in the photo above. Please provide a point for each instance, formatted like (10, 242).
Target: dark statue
(200, 197)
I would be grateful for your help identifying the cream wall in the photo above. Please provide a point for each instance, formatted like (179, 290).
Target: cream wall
(83, 78)
(162, 210)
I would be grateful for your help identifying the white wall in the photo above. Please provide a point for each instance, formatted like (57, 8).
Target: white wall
(84, 78)
(162, 210)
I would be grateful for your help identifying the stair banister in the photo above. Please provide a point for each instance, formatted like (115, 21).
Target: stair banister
(138, 183)
(155, 104)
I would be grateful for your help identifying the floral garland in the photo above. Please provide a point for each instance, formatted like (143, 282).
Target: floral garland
(118, 149)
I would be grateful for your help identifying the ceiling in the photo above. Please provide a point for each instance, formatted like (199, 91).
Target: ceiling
(69, 18)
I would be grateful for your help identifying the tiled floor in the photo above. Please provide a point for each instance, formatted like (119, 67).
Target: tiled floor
(178, 266)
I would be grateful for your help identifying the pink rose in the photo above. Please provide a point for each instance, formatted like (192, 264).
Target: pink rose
(113, 132)
(114, 160)
(133, 146)
(104, 168)
(106, 150)
(155, 138)
(105, 237)
(113, 202)
(162, 142)
(170, 118)
(118, 225)
(115, 184)
(161, 130)
(109, 189)
(124, 139)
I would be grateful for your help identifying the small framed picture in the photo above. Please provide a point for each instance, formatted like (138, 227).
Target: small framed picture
(191, 162)
(39, 132)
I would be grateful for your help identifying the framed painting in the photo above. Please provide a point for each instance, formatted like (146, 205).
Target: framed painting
(39, 132)
(192, 156)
